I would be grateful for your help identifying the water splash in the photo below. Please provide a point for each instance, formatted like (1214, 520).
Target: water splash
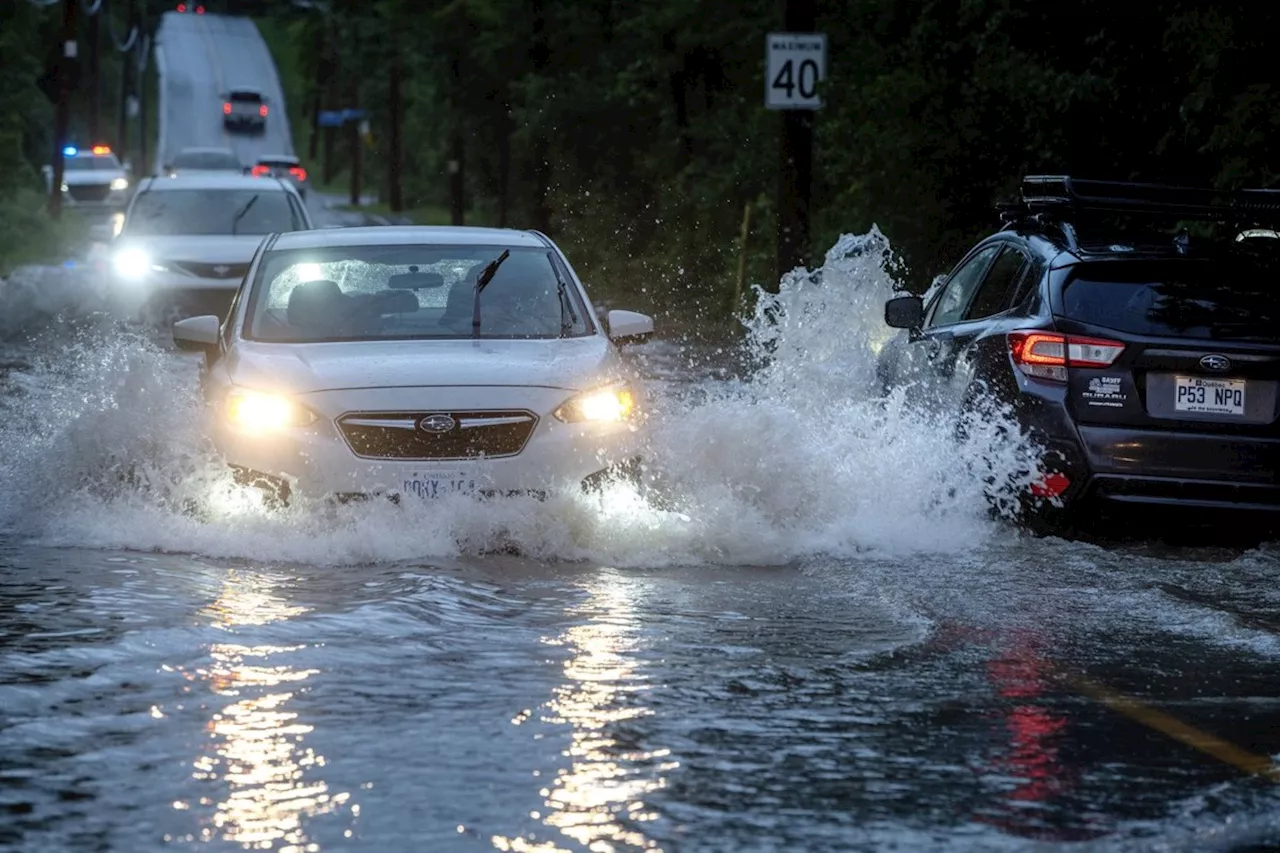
(803, 455)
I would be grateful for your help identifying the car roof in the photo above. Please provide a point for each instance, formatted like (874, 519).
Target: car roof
(283, 158)
(201, 149)
(410, 235)
(215, 181)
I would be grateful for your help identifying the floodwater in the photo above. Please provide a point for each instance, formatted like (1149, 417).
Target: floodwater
(818, 640)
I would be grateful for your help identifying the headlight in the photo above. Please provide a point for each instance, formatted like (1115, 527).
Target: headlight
(605, 405)
(65, 188)
(131, 263)
(120, 184)
(254, 412)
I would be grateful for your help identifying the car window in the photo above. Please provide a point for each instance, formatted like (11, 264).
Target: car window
(95, 162)
(408, 292)
(996, 290)
(246, 97)
(213, 211)
(955, 295)
(1185, 298)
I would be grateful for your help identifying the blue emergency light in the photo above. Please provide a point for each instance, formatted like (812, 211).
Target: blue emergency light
(70, 151)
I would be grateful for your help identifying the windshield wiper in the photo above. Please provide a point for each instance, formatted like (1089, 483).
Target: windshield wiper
(568, 317)
(482, 281)
(240, 215)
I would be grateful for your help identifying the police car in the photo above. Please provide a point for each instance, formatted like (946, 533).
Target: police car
(93, 180)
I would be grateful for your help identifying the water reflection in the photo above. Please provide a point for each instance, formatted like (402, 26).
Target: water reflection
(256, 746)
(598, 800)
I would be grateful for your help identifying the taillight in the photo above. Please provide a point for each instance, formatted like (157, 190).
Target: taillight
(226, 108)
(260, 171)
(298, 172)
(182, 7)
(1046, 355)
(199, 10)
(262, 110)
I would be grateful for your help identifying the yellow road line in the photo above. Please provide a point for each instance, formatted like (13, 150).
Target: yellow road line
(1227, 753)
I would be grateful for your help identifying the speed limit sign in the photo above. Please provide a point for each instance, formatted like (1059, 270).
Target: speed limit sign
(795, 63)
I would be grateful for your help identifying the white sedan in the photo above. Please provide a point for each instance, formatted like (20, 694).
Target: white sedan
(418, 362)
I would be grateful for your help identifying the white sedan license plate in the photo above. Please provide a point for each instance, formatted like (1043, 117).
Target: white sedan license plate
(439, 487)
(1201, 395)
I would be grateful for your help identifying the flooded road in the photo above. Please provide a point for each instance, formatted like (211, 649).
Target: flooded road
(819, 641)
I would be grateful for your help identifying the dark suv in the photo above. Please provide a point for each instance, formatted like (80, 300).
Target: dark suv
(1143, 360)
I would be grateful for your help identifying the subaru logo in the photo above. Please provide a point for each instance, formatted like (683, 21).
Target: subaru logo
(437, 423)
(222, 269)
(1216, 363)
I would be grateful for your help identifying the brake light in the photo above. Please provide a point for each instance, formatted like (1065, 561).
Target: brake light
(260, 171)
(182, 7)
(226, 108)
(298, 172)
(199, 10)
(262, 110)
(1050, 485)
(1046, 355)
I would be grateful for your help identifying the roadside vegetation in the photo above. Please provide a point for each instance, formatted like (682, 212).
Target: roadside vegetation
(636, 133)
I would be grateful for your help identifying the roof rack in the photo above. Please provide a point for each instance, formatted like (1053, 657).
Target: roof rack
(1064, 198)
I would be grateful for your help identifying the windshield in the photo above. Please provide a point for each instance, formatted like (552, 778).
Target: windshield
(246, 97)
(369, 293)
(1221, 299)
(206, 160)
(100, 163)
(213, 211)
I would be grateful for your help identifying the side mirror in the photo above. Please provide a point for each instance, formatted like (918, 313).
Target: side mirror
(904, 312)
(628, 327)
(197, 333)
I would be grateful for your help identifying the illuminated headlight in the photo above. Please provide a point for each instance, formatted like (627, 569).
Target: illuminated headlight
(65, 188)
(605, 405)
(120, 184)
(255, 412)
(131, 263)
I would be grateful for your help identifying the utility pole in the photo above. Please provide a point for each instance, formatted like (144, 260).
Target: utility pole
(62, 115)
(126, 84)
(144, 49)
(94, 49)
(795, 173)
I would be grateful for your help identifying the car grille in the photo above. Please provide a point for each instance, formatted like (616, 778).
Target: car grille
(212, 270)
(89, 192)
(471, 435)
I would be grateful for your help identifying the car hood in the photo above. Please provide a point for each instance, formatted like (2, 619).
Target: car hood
(572, 364)
(211, 249)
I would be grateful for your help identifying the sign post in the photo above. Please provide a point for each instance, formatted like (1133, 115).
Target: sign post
(795, 63)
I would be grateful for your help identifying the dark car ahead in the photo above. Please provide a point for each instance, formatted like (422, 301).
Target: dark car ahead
(1145, 362)
(245, 109)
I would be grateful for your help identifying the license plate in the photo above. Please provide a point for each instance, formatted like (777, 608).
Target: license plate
(1209, 396)
(439, 487)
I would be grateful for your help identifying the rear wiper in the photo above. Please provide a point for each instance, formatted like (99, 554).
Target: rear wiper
(482, 281)
(568, 317)
(240, 215)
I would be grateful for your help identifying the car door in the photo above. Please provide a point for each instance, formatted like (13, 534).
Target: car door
(978, 339)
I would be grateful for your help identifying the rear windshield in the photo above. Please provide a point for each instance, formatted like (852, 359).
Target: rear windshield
(216, 160)
(252, 97)
(1223, 299)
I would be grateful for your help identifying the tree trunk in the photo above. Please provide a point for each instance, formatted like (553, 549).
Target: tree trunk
(95, 76)
(458, 157)
(395, 104)
(540, 53)
(504, 165)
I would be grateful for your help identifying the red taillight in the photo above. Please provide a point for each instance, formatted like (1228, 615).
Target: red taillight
(1046, 355)
(1050, 485)
(199, 10)
(182, 7)
(226, 108)
(260, 171)
(262, 110)
(298, 172)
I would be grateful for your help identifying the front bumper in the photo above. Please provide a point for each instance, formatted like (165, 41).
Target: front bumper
(317, 460)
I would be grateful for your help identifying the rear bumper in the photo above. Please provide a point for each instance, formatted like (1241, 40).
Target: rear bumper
(244, 121)
(1164, 469)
